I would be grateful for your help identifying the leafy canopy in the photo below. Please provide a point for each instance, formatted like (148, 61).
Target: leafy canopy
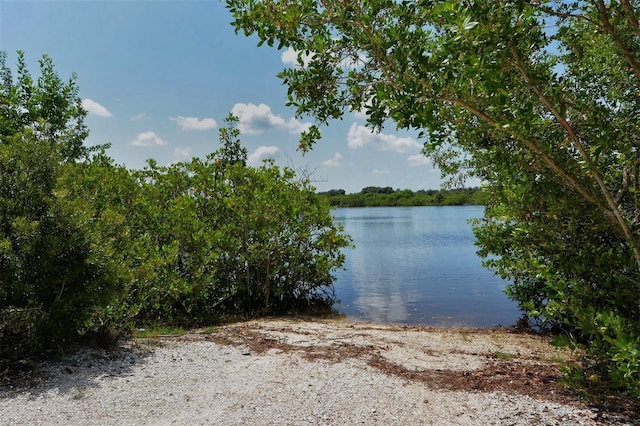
(48, 106)
(540, 99)
(476, 77)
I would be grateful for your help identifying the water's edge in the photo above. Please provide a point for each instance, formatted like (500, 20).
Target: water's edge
(418, 266)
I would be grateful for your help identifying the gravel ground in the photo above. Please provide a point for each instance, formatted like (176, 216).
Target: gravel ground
(285, 372)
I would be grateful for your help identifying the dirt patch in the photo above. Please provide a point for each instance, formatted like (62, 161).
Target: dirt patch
(504, 359)
(527, 374)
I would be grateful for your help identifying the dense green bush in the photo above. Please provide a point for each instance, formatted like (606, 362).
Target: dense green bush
(87, 246)
(588, 298)
(228, 239)
(60, 261)
(59, 254)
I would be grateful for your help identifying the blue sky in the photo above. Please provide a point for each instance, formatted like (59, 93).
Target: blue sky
(159, 77)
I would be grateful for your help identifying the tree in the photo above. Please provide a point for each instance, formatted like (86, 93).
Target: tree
(232, 151)
(86, 245)
(61, 248)
(48, 106)
(539, 99)
(377, 190)
(61, 255)
(223, 238)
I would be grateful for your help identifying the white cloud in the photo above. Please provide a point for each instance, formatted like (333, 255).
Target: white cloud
(418, 160)
(380, 172)
(295, 126)
(148, 138)
(333, 162)
(360, 136)
(261, 153)
(290, 57)
(95, 108)
(139, 116)
(256, 119)
(182, 153)
(194, 123)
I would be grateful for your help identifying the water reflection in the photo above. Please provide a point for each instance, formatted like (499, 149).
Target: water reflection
(418, 265)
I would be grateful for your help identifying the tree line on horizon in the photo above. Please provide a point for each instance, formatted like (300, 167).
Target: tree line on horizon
(373, 196)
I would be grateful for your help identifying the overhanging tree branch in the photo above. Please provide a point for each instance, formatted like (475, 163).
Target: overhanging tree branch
(610, 28)
(615, 215)
(534, 147)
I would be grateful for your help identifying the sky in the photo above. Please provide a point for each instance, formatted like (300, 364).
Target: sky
(159, 77)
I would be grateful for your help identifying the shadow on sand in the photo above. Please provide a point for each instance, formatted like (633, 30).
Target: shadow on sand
(76, 372)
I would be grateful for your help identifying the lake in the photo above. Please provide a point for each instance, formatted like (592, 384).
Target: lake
(418, 265)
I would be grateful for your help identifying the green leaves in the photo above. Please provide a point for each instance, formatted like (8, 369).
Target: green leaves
(61, 254)
(537, 99)
(88, 244)
(48, 106)
(221, 238)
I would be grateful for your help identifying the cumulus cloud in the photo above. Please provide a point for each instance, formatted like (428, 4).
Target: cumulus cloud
(296, 126)
(290, 57)
(182, 153)
(194, 123)
(261, 153)
(418, 160)
(360, 136)
(255, 119)
(333, 162)
(94, 108)
(148, 138)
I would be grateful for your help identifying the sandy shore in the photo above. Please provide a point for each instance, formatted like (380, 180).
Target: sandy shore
(286, 372)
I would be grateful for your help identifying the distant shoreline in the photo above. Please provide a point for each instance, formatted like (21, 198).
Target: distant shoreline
(388, 197)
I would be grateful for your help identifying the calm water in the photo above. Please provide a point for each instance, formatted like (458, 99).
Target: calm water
(418, 265)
